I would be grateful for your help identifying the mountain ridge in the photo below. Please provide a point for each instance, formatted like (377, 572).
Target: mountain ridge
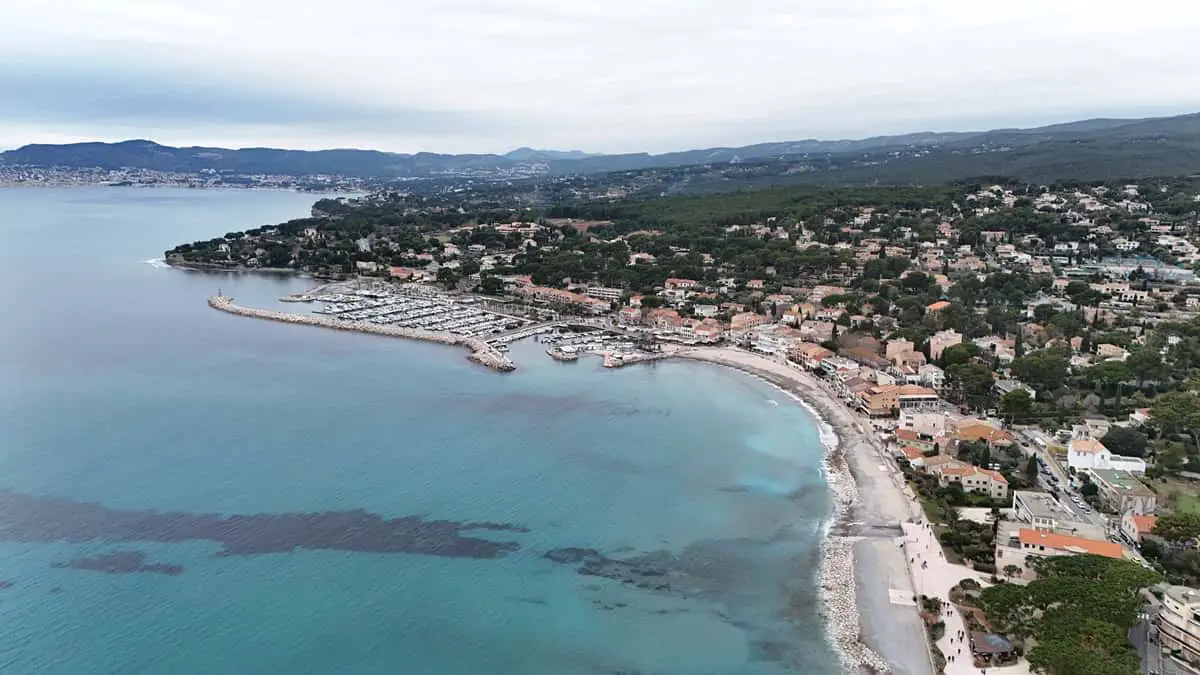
(1172, 142)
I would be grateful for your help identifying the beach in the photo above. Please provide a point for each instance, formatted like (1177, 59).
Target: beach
(866, 584)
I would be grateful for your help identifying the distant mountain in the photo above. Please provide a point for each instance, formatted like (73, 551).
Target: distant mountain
(1087, 149)
(532, 155)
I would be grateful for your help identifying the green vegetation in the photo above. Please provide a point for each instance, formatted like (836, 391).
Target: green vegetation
(1076, 614)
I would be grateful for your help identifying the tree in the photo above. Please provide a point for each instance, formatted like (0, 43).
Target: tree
(969, 384)
(1031, 470)
(1107, 375)
(1016, 405)
(1089, 490)
(491, 285)
(447, 277)
(1078, 611)
(959, 353)
(1145, 364)
(1178, 527)
(1178, 412)
(1125, 442)
(1044, 370)
(1011, 571)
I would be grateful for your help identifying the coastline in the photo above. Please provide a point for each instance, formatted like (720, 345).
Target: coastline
(212, 267)
(481, 352)
(862, 567)
(866, 588)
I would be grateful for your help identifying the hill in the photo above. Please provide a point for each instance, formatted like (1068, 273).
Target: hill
(1094, 149)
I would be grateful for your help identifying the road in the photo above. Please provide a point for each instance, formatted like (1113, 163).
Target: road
(1029, 444)
(1144, 637)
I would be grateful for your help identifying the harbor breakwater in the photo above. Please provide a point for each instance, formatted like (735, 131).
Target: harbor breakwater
(481, 351)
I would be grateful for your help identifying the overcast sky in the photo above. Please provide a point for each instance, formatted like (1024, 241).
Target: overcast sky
(596, 75)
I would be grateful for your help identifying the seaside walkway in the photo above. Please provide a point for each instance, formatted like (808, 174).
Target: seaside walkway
(934, 577)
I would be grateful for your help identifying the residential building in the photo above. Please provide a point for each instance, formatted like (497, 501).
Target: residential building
(974, 430)
(882, 401)
(817, 331)
(914, 456)
(931, 424)
(1113, 352)
(1089, 454)
(773, 338)
(931, 376)
(913, 439)
(973, 479)
(744, 321)
(1041, 511)
(603, 293)
(1004, 387)
(937, 306)
(1124, 493)
(680, 284)
(809, 355)
(1134, 527)
(916, 397)
(1044, 544)
(939, 341)
(557, 296)
(1179, 623)
(897, 347)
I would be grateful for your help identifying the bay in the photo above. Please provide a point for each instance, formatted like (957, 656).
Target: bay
(187, 491)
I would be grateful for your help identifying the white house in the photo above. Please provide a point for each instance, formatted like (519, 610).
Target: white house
(1089, 454)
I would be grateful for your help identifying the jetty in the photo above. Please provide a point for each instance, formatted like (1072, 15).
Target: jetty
(620, 360)
(481, 352)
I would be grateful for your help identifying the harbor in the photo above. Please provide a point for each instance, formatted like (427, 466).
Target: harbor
(481, 352)
(421, 312)
(409, 306)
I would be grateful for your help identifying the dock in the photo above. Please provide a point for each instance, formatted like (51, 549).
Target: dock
(481, 352)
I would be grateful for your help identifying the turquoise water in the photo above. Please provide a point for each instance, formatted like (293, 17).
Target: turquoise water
(191, 492)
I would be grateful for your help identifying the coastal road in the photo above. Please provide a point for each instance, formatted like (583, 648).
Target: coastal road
(1037, 442)
(1144, 637)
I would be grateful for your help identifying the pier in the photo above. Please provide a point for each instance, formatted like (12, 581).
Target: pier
(481, 352)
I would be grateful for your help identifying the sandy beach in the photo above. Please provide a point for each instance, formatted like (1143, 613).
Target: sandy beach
(867, 587)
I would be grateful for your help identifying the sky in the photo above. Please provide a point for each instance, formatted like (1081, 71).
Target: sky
(596, 75)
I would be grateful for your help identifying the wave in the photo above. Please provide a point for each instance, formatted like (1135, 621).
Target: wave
(157, 262)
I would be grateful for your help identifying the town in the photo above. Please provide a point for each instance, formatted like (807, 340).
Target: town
(1029, 356)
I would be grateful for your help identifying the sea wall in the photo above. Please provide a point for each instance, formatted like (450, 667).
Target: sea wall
(481, 352)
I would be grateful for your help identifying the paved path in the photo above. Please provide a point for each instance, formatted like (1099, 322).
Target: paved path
(935, 576)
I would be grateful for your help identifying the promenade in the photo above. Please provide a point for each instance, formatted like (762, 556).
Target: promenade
(934, 577)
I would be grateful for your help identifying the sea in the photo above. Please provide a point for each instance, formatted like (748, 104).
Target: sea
(185, 491)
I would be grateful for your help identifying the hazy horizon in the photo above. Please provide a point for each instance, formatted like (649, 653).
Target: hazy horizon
(589, 151)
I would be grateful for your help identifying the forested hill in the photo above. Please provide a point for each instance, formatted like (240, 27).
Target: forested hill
(1099, 149)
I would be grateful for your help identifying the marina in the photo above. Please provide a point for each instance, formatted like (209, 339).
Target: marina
(412, 306)
(481, 352)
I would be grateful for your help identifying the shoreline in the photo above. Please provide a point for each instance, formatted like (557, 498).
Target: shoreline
(481, 352)
(860, 521)
(869, 629)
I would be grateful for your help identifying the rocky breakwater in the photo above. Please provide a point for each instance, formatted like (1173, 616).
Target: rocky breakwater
(481, 352)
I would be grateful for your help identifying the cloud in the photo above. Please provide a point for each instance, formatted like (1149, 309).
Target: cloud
(611, 75)
(80, 96)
